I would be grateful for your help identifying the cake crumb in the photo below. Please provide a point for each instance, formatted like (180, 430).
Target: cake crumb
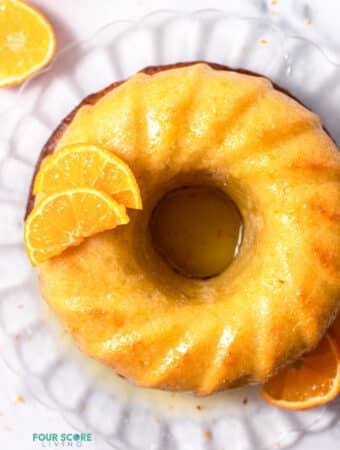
(20, 306)
(208, 434)
(19, 399)
(83, 406)
(308, 21)
(273, 2)
(245, 401)
(199, 407)
(7, 428)
(263, 41)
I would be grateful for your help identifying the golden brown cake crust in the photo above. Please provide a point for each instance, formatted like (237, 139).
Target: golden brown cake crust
(93, 98)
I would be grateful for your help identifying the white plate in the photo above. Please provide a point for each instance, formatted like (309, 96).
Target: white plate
(89, 395)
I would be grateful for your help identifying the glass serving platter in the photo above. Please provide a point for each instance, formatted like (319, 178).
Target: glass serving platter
(90, 396)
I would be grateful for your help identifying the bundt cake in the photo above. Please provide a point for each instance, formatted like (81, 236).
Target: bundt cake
(200, 124)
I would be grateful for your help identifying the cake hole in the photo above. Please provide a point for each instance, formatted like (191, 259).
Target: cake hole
(197, 230)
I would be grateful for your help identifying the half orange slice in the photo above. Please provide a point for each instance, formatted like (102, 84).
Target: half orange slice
(84, 165)
(311, 382)
(64, 219)
(27, 41)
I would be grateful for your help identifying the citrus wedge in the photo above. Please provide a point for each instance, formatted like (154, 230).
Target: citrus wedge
(27, 41)
(64, 219)
(83, 165)
(312, 382)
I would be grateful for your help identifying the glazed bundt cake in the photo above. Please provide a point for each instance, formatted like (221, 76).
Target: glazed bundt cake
(200, 124)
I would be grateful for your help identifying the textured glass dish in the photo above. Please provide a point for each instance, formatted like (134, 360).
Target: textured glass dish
(89, 395)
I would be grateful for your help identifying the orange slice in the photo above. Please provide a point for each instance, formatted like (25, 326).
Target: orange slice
(83, 165)
(312, 382)
(64, 219)
(27, 41)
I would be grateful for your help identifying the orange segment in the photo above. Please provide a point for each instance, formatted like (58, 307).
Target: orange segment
(27, 41)
(83, 165)
(312, 382)
(64, 219)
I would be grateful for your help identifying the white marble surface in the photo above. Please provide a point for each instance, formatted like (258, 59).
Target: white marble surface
(316, 20)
